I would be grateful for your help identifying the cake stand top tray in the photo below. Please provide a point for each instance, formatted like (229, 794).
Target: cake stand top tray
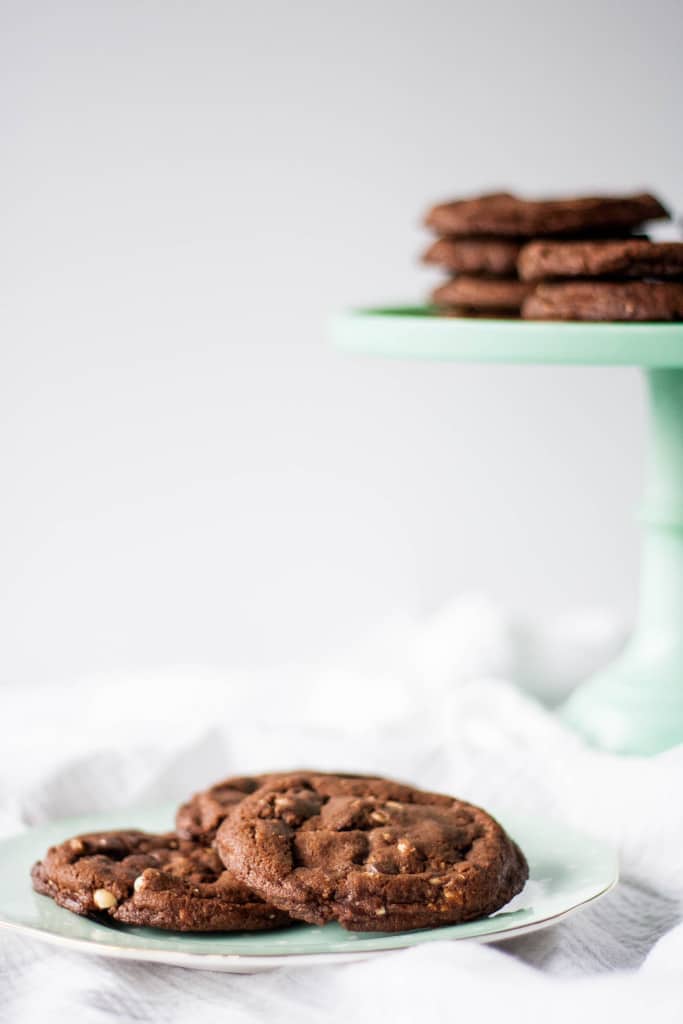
(415, 332)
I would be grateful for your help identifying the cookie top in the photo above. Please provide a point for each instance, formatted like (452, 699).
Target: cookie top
(156, 880)
(501, 213)
(373, 854)
(495, 294)
(636, 257)
(605, 300)
(204, 812)
(494, 256)
(201, 816)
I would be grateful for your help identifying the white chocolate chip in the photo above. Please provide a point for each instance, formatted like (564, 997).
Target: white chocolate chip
(435, 881)
(379, 817)
(394, 804)
(104, 900)
(404, 846)
(283, 803)
(139, 883)
(76, 845)
(380, 912)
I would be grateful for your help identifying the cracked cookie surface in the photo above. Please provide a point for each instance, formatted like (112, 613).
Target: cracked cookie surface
(201, 815)
(159, 881)
(373, 854)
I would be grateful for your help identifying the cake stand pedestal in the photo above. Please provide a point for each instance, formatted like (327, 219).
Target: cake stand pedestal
(635, 706)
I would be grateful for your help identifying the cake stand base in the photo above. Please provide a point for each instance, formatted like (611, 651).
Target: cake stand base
(634, 706)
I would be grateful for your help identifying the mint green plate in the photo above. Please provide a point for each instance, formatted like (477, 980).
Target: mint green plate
(568, 870)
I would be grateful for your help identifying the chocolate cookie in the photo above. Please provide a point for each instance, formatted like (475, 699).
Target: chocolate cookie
(496, 294)
(501, 213)
(494, 256)
(159, 881)
(373, 854)
(624, 259)
(605, 300)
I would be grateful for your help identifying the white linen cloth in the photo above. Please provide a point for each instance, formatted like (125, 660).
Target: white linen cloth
(445, 703)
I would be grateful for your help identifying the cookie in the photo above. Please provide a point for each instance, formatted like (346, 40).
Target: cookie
(159, 881)
(637, 258)
(501, 213)
(481, 294)
(373, 854)
(494, 256)
(605, 300)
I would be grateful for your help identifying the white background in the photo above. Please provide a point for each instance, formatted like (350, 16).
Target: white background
(190, 475)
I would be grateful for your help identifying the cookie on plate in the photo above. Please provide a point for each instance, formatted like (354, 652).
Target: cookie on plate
(159, 881)
(627, 258)
(605, 300)
(482, 294)
(373, 854)
(502, 213)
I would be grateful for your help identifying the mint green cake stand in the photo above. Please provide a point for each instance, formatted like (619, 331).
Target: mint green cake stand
(635, 706)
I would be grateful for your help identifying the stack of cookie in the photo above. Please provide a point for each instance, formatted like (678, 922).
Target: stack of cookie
(481, 241)
(478, 247)
(262, 852)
